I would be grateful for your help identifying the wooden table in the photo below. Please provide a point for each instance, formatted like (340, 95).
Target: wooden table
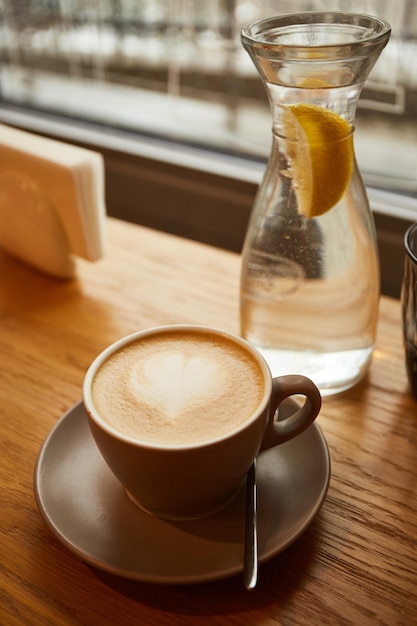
(357, 562)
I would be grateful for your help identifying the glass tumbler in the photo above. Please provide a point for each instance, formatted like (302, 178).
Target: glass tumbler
(409, 306)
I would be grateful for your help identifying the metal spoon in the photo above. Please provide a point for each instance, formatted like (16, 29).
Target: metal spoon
(250, 571)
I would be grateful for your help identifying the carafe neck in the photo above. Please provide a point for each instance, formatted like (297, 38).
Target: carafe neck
(318, 58)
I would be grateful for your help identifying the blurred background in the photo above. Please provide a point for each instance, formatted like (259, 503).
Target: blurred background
(164, 90)
(175, 69)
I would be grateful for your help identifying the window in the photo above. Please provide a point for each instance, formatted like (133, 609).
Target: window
(176, 69)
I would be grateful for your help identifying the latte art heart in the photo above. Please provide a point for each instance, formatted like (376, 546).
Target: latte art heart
(178, 387)
(176, 381)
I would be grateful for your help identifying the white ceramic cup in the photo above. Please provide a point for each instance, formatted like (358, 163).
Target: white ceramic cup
(192, 480)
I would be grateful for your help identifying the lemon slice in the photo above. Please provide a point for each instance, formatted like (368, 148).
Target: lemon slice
(321, 156)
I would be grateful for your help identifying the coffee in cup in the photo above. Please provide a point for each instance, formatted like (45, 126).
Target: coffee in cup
(180, 412)
(178, 388)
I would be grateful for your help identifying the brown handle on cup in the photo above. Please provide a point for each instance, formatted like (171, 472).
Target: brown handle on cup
(279, 431)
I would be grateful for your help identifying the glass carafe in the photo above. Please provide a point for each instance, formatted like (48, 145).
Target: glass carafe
(310, 270)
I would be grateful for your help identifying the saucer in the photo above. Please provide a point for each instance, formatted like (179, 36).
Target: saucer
(88, 511)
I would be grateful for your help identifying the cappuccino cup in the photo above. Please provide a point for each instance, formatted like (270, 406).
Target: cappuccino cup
(179, 413)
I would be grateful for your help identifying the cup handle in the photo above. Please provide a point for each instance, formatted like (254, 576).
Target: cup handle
(279, 431)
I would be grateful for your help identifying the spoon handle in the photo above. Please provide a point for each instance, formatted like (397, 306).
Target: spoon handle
(250, 572)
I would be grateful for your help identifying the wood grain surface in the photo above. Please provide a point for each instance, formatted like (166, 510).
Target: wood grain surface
(356, 564)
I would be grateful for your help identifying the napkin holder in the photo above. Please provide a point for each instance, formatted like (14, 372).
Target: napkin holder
(52, 205)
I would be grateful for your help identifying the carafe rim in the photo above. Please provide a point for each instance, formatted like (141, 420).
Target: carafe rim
(269, 32)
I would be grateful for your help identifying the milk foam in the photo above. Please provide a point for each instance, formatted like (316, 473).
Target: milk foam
(178, 388)
(176, 381)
